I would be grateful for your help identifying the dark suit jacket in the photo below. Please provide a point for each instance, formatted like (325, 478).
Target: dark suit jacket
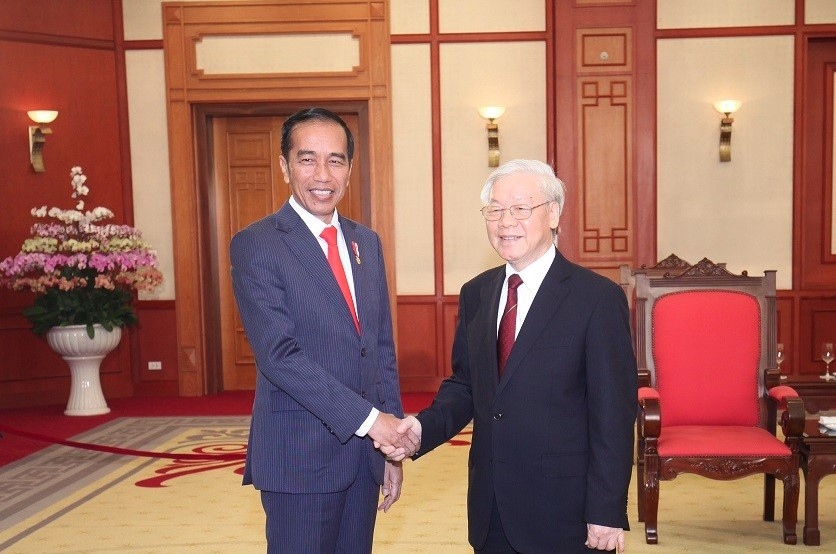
(553, 439)
(317, 378)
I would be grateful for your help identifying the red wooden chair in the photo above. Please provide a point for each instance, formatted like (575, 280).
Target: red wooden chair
(705, 346)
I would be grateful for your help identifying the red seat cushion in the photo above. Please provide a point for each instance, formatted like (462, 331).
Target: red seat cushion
(706, 353)
(647, 392)
(710, 440)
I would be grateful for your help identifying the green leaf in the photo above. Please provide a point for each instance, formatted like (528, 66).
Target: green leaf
(81, 306)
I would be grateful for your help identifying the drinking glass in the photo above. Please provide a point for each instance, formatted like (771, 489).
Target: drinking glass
(779, 355)
(827, 357)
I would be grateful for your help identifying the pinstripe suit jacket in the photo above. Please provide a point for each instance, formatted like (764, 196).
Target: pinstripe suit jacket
(553, 438)
(317, 378)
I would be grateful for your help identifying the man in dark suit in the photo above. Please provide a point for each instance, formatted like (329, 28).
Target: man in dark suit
(316, 312)
(551, 458)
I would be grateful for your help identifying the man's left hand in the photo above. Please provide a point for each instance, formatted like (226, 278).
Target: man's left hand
(391, 488)
(599, 537)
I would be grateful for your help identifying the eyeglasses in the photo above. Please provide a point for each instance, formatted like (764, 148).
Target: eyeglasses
(492, 213)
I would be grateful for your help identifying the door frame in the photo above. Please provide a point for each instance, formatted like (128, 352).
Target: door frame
(192, 94)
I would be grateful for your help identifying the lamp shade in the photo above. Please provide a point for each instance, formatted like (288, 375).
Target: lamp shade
(491, 112)
(42, 116)
(727, 106)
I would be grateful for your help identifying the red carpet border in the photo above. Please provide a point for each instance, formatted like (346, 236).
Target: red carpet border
(123, 451)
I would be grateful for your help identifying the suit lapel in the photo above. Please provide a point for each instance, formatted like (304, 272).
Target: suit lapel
(358, 269)
(490, 299)
(551, 294)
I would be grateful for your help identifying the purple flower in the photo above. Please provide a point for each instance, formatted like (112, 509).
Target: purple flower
(69, 250)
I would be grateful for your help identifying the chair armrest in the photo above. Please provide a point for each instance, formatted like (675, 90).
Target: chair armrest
(792, 419)
(650, 413)
(648, 392)
(781, 394)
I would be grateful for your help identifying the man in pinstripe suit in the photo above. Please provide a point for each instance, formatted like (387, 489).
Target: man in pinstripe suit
(327, 384)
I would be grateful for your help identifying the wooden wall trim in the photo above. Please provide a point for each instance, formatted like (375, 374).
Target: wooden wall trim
(721, 32)
(446, 38)
(55, 40)
(143, 45)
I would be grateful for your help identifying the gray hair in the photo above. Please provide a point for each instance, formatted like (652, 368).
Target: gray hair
(553, 188)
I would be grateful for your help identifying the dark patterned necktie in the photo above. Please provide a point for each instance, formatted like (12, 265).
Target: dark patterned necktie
(508, 323)
(330, 236)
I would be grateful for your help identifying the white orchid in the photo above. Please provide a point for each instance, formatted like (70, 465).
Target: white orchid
(77, 182)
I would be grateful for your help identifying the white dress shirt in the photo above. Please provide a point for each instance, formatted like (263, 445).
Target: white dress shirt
(532, 277)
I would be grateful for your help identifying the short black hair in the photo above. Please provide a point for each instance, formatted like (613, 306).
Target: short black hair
(320, 114)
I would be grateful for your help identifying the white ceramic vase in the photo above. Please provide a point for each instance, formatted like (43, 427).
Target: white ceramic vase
(84, 356)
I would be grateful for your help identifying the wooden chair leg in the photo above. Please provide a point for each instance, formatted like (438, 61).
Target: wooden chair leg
(791, 486)
(650, 484)
(640, 487)
(768, 497)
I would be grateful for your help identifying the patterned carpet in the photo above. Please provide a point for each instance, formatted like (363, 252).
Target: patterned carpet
(64, 500)
(70, 500)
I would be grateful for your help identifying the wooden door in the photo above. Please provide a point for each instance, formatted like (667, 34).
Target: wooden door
(248, 186)
(814, 277)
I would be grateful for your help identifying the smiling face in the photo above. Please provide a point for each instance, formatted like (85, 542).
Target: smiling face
(317, 167)
(521, 241)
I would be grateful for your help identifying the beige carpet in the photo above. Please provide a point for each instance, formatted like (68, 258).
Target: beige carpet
(69, 501)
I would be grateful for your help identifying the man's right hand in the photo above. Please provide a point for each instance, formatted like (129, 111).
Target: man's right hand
(396, 438)
(410, 430)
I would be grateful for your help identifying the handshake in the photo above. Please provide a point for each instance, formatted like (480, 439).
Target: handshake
(396, 438)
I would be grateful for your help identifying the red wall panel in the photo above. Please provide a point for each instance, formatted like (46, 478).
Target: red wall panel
(90, 19)
(156, 341)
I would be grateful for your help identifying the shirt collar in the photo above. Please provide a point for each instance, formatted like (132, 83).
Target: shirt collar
(534, 274)
(312, 222)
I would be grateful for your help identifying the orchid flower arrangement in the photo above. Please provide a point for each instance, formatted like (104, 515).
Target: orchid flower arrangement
(83, 271)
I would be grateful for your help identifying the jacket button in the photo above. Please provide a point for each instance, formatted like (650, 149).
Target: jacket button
(363, 352)
(497, 416)
(363, 394)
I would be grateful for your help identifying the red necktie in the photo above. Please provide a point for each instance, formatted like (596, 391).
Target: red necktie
(330, 236)
(508, 323)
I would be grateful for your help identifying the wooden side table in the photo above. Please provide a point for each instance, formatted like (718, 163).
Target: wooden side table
(817, 393)
(818, 459)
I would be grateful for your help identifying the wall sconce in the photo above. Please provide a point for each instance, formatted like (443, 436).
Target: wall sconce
(726, 107)
(37, 136)
(492, 113)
